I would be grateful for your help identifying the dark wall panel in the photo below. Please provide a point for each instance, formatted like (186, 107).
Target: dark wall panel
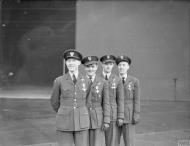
(35, 33)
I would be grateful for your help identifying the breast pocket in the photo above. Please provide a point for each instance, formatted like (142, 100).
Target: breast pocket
(113, 112)
(67, 92)
(96, 95)
(127, 113)
(84, 118)
(112, 92)
(130, 90)
(112, 89)
(83, 90)
(99, 115)
(64, 118)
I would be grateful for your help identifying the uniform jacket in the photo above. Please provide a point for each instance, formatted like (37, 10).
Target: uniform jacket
(69, 102)
(131, 100)
(116, 97)
(98, 103)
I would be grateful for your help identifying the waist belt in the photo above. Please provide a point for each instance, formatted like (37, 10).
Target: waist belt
(73, 102)
(93, 105)
(129, 101)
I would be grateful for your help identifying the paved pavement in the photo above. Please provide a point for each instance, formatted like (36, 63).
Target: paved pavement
(31, 122)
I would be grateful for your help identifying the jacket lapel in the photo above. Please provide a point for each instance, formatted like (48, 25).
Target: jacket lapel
(95, 82)
(68, 78)
(111, 77)
(101, 75)
(79, 80)
(127, 80)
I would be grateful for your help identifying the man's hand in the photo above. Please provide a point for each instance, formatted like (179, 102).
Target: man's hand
(105, 126)
(120, 122)
(135, 119)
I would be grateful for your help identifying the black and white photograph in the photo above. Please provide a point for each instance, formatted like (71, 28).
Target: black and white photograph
(94, 73)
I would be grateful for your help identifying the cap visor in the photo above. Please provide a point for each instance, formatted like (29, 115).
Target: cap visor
(122, 61)
(73, 57)
(91, 62)
(108, 61)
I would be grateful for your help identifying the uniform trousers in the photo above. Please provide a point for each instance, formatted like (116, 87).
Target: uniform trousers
(128, 131)
(72, 138)
(111, 135)
(96, 137)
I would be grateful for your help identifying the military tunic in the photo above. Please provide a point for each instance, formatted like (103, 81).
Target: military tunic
(131, 109)
(99, 110)
(116, 99)
(69, 102)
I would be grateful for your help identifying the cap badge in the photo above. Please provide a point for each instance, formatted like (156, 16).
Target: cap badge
(89, 58)
(121, 57)
(108, 57)
(72, 54)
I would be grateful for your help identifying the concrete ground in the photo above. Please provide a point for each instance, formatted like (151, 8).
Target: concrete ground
(31, 121)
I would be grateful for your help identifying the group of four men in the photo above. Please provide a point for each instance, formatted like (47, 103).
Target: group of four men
(95, 110)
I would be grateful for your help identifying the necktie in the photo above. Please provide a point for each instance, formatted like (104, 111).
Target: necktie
(106, 77)
(123, 80)
(89, 102)
(90, 77)
(74, 79)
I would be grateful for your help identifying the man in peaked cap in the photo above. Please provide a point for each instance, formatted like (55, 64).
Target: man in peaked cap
(97, 103)
(131, 101)
(72, 54)
(68, 100)
(116, 98)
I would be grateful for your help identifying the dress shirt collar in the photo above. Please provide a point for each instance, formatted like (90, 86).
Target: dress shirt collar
(108, 74)
(75, 73)
(123, 76)
(92, 78)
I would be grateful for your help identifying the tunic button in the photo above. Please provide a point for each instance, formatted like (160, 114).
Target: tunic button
(75, 93)
(74, 107)
(75, 99)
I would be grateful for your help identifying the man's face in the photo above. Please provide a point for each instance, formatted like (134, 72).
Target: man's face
(123, 67)
(107, 67)
(91, 69)
(72, 64)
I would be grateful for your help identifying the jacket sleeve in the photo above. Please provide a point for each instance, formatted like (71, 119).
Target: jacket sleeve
(55, 96)
(136, 108)
(120, 100)
(106, 104)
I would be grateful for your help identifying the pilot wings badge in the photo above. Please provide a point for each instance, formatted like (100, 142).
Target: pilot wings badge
(72, 54)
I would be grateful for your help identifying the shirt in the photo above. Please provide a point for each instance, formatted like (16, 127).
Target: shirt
(75, 73)
(123, 76)
(108, 75)
(92, 77)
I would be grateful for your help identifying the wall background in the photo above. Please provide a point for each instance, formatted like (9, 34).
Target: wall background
(34, 35)
(154, 34)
